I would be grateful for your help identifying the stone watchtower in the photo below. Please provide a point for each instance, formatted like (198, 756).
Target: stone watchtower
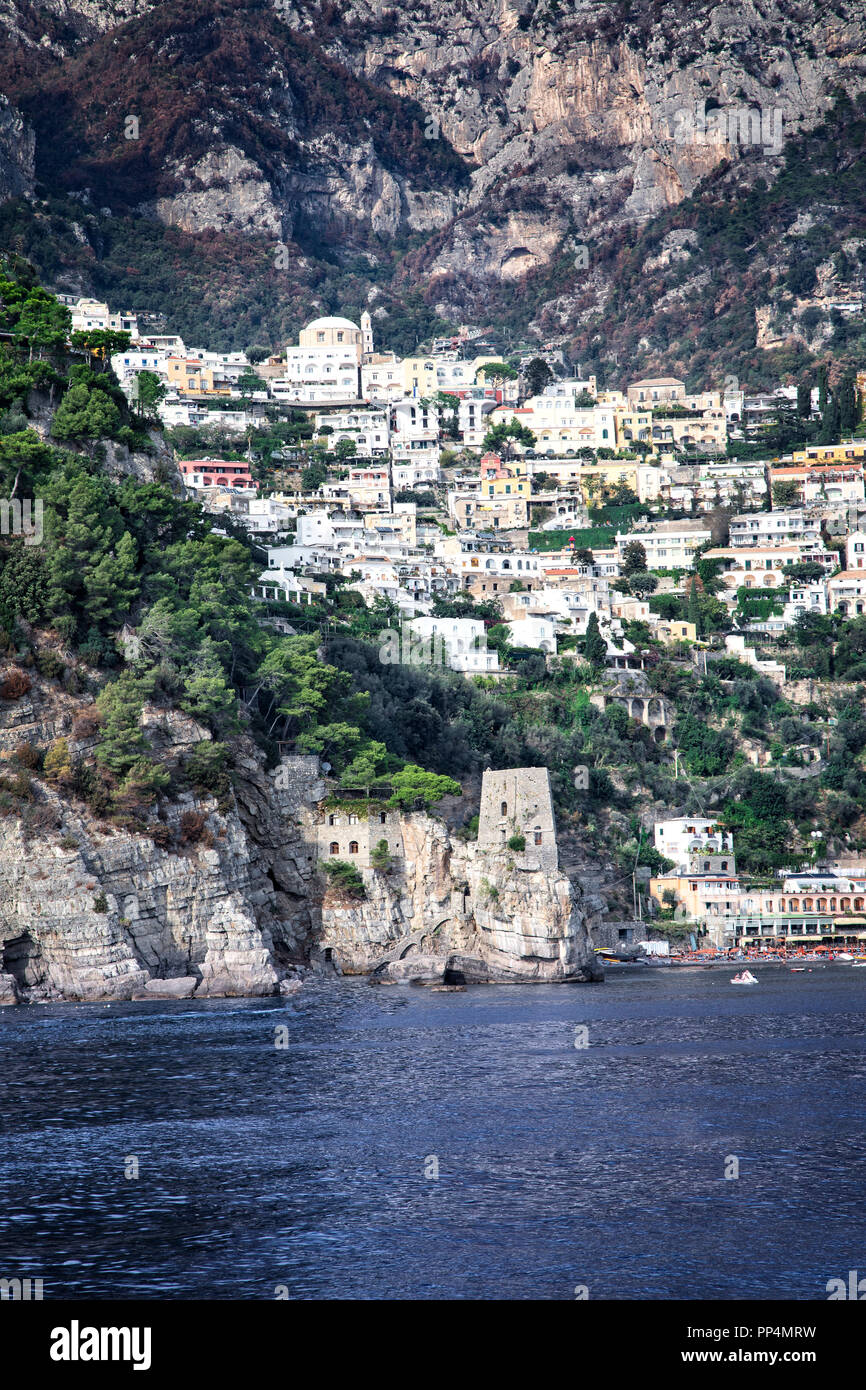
(518, 801)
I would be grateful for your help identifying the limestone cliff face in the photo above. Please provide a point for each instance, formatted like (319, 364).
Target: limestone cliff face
(17, 153)
(446, 903)
(224, 898)
(569, 116)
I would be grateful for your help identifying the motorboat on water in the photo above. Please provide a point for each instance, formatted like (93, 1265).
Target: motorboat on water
(745, 977)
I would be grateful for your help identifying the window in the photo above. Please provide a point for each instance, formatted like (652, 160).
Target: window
(538, 837)
(332, 820)
(383, 816)
(353, 846)
(335, 848)
(503, 810)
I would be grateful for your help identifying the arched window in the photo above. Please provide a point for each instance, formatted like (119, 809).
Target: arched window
(858, 904)
(332, 820)
(822, 904)
(353, 846)
(808, 905)
(335, 848)
(503, 810)
(794, 905)
(845, 904)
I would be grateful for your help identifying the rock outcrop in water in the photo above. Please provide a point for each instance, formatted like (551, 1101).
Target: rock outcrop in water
(224, 897)
(483, 909)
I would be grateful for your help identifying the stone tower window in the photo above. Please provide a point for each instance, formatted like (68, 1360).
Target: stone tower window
(382, 817)
(538, 837)
(332, 820)
(353, 846)
(335, 848)
(503, 810)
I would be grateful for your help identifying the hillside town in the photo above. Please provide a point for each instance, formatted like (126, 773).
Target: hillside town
(616, 525)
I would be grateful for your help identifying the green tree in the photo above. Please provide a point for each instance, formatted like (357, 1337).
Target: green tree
(501, 437)
(85, 413)
(634, 558)
(121, 739)
(413, 788)
(380, 857)
(693, 612)
(594, 645)
(101, 343)
(149, 391)
(785, 494)
(537, 375)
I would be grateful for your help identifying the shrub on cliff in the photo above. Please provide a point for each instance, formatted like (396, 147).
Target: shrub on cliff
(381, 857)
(344, 877)
(205, 767)
(29, 756)
(15, 684)
(57, 765)
(192, 827)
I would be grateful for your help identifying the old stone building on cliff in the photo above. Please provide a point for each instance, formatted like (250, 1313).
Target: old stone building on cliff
(518, 801)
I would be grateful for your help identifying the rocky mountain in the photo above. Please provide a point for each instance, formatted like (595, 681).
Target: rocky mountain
(236, 163)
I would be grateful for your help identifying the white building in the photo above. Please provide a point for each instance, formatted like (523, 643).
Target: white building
(536, 631)
(685, 836)
(855, 551)
(414, 445)
(382, 378)
(774, 528)
(464, 642)
(472, 417)
(325, 366)
(368, 429)
(92, 313)
(668, 544)
(560, 426)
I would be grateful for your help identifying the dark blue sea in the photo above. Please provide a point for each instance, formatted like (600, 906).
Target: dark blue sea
(311, 1168)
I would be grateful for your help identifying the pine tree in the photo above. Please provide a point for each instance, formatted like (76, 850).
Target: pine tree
(822, 388)
(594, 645)
(847, 399)
(694, 614)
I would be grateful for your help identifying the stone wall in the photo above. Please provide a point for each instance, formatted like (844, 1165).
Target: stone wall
(518, 801)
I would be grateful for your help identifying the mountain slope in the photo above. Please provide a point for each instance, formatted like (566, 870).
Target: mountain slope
(439, 162)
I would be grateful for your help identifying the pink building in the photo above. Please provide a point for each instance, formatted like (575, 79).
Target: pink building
(217, 472)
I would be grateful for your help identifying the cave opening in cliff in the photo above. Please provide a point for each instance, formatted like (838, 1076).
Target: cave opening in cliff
(22, 959)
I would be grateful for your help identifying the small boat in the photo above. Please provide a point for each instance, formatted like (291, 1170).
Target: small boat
(858, 965)
(744, 978)
(798, 969)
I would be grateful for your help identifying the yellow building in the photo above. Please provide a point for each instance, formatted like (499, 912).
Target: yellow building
(830, 453)
(633, 425)
(188, 374)
(676, 631)
(508, 478)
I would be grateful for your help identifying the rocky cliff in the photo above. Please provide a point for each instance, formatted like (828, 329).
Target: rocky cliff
(449, 905)
(223, 897)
